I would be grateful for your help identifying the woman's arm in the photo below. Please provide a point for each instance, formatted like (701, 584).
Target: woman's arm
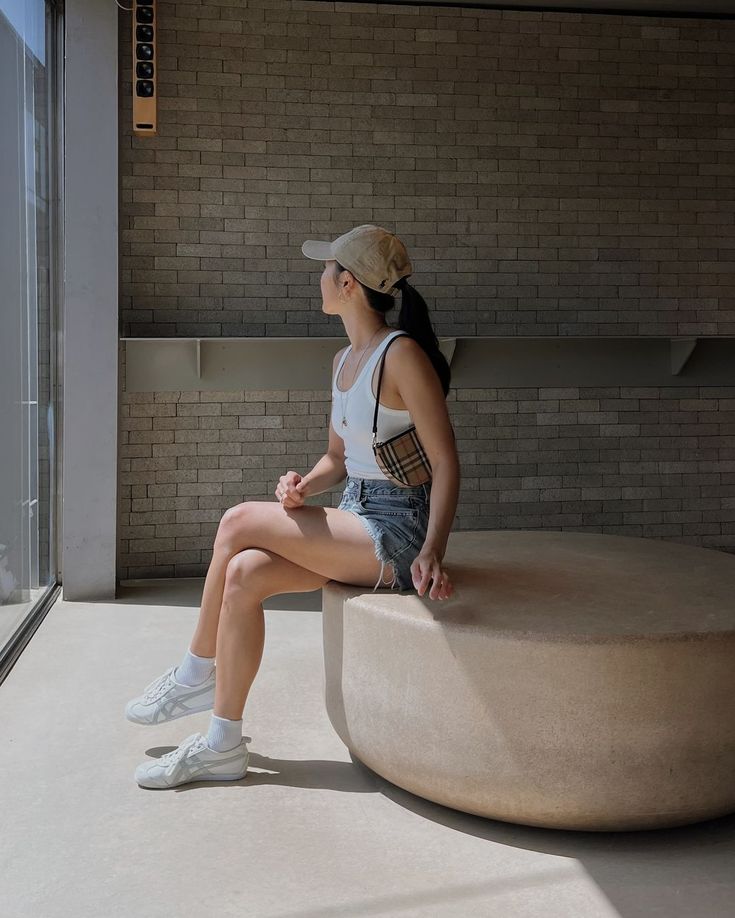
(328, 472)
(442, 505)
(421, 390)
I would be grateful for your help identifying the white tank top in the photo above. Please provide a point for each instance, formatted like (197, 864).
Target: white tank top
(360, 407)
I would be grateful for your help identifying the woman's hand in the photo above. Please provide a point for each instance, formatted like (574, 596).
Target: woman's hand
(427, 567)
(291, 490)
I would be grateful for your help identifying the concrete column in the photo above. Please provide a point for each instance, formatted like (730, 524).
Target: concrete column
(90, 327)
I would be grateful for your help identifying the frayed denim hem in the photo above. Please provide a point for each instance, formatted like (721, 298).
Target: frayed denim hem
(380, 576)
(383, 556)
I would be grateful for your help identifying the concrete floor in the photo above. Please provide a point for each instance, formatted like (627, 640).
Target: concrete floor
(309, 832)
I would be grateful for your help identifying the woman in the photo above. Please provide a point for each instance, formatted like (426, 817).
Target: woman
(264, 548)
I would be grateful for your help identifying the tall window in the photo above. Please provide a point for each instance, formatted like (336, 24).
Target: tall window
(29, 284)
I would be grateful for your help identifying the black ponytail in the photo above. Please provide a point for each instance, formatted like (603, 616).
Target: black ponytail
(413, 319)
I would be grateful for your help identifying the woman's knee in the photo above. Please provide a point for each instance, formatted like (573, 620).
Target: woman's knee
(246, 567)
(234, 524)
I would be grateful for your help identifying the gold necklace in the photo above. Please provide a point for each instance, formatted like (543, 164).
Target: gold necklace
(344, 400)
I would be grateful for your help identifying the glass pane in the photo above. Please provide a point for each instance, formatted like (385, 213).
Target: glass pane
(27, 460)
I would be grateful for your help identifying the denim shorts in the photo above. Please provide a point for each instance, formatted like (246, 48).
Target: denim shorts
(397, 520)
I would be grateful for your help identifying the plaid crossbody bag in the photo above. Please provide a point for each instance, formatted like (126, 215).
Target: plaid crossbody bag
(401, 457)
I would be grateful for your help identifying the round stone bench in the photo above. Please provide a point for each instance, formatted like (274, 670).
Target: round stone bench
(573, 681)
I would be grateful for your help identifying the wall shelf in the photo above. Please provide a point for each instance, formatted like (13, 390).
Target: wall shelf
(280, 363)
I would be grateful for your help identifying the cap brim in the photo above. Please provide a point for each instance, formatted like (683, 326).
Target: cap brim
(320, 251)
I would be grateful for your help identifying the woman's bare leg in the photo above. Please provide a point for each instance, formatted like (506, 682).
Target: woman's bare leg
(204, 642)
(313, 537)
(252, 576)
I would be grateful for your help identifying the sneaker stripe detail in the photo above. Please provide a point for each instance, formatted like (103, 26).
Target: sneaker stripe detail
(177, 701)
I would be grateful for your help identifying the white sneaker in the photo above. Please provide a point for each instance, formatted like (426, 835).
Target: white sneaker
(166, 699)
(193, 760)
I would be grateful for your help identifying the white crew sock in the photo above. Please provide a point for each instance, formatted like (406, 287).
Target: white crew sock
(194, 670)
(224, 734)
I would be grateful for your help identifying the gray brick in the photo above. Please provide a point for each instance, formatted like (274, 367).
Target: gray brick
(214, 210)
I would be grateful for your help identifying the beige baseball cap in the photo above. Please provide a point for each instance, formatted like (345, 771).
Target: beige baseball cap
(375, 256)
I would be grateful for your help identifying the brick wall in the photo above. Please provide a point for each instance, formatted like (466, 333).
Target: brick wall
(652, 462)
(551, 173)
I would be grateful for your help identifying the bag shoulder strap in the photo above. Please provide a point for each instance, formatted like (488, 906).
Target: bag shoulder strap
(380, 377)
